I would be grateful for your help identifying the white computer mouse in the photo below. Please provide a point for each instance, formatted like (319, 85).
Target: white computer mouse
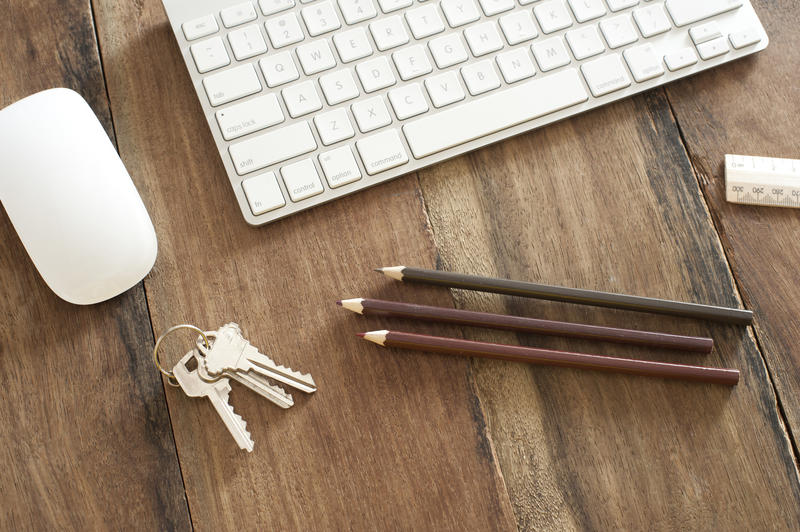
(71, 199)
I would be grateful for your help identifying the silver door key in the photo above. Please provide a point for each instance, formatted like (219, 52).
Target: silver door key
(231, 353)
(217, 392)
(252, 381)
(223, 355)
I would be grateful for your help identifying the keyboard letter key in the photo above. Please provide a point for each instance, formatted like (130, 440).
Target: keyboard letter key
(333, 126)
(552, 16)
(408, 101)
(550, 53)
(587, 9)
(371, 114)
(515, 65)
(460, 12)
(315, 56)
(388, 32)
(375, 74)
(518, 27)
(339, 86)
(480, 77)
(448, 51)
(411, 62)
(382, 151)
(444, 89)
(301, 99)
(352, 44)
(278, 69)
(483, 38)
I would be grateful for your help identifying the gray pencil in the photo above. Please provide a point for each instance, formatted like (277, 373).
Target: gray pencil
(569, 295)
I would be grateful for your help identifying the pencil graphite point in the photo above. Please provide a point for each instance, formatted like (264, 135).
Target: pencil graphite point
(361, 335)
(339, 302)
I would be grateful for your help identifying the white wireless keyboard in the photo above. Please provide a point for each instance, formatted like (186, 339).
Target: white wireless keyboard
(314, 100)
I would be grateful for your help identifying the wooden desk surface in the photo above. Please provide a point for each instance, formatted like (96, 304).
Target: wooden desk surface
(628, 198)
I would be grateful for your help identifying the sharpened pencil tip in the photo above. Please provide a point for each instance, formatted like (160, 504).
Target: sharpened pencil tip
(354, 305)
(361, 335)
(379, 270)
(377, 337)
(394, 272)
(339, 302)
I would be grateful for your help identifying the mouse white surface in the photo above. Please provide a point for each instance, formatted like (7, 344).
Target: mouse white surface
(71, 199)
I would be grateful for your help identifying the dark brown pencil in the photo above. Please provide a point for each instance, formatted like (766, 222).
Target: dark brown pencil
(532, 325)
(531, 355)
(569, 295)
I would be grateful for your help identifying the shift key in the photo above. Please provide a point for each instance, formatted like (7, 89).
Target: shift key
(273, 147)
(685, 12)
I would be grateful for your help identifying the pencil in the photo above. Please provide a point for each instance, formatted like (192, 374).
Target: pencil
(550, 357)
(531, 325)
(569, 295)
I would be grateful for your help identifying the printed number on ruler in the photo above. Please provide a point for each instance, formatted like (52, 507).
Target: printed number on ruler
(762, 181)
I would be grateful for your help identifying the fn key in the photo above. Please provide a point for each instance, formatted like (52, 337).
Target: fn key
(263, 193)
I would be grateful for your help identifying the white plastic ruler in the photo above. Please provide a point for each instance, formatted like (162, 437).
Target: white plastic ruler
(762, 181)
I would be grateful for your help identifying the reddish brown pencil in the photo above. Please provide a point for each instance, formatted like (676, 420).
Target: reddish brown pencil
(531, 355)
(522, 324)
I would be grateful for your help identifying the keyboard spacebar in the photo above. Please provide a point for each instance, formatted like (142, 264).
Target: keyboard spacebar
(493, 113)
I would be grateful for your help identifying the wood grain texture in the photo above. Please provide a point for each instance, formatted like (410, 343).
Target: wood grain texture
(386, 443)
(751, 108)
(86, 441)
(608, 201)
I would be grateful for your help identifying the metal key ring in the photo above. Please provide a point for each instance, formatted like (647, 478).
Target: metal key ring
(169, 374)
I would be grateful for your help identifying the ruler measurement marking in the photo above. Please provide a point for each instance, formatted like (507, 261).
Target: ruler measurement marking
(762, 181)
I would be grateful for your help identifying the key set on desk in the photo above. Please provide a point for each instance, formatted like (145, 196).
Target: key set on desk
(225, 354)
